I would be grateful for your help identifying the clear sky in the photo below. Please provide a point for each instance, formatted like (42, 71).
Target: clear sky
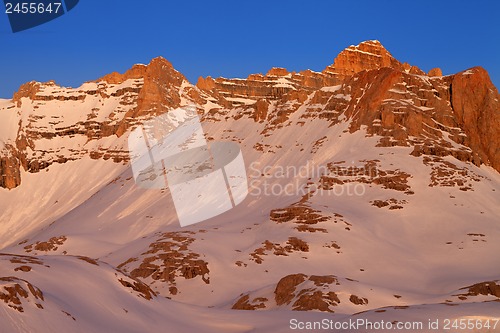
(236, 38)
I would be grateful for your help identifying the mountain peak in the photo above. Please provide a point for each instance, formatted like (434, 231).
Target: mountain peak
(366, 55)
(161, 63)
(373, 42)
(277, 71)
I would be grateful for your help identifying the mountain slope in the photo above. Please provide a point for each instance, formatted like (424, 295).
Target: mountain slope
(371, 185)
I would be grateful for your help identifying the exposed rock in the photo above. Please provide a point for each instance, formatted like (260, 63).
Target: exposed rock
(370, 172)
(149, 90)
(322, 280)
(205, 84)
(315, 301)
(293, 244)
(141, 288)
(51, 245)
(20, 259)
(297, 292)
(307, 299)
(244, 303)
(261, 109)
(277, 71)
(168, 259)
(23, 268)
(366, 56)
(13, 292)
(305, 217)
(136, 72)
(435, 72)
(358, 300)
(484, 288)
(89, 260)
(444, 173)
(10, 172)
(455, 115)
(298, 244)
(27, 90)
(476, 108)
(390, 203)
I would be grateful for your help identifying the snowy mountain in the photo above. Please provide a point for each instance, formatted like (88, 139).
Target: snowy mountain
(373, 193)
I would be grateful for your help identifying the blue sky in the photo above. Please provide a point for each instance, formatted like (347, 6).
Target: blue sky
(236, 38)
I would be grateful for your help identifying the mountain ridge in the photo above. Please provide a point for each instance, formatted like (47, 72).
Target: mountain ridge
(371, 192)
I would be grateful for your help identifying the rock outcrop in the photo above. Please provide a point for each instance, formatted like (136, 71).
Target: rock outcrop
(366, 56)
(300, 292)
(98, 113)
(435, 72)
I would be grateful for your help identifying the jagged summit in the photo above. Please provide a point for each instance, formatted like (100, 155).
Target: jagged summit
(365, 85)
(366, 56)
